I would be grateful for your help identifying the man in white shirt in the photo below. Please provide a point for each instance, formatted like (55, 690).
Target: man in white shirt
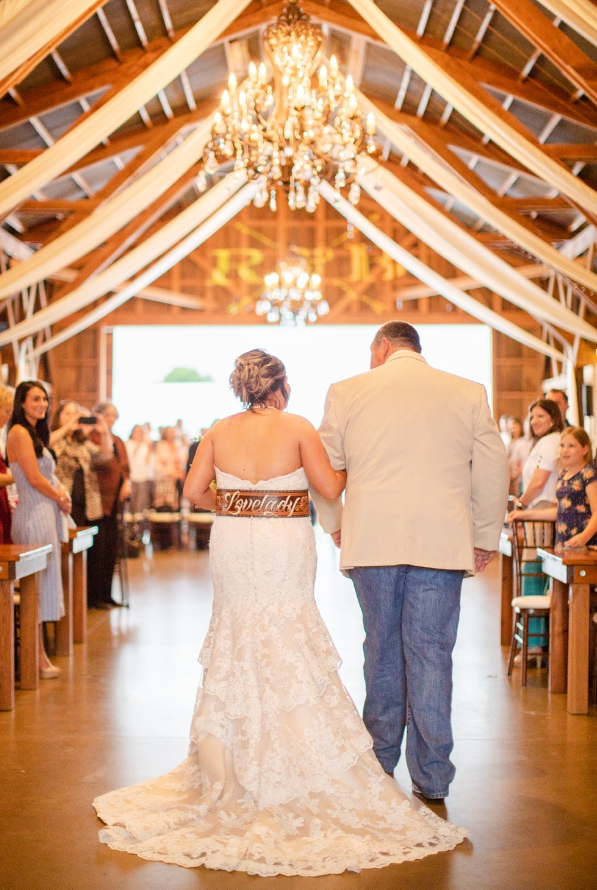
(425, 502)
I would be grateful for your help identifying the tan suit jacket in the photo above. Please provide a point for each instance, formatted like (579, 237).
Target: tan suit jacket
(427, 469)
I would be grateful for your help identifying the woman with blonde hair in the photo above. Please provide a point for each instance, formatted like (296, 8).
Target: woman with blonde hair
(6, 403)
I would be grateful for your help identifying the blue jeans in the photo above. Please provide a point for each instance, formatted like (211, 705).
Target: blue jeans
(411, 617)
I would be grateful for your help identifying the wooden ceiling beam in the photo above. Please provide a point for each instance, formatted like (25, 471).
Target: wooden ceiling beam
(27, 67)
(103, 74)
(574, 64)
(56, 205)
(115, 246)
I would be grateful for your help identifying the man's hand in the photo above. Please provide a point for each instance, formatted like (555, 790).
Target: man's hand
(336, 538)
(482, 559)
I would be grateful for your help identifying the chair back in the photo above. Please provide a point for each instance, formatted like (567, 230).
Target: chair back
(527, 535)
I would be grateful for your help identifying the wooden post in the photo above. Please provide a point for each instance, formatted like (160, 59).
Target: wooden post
(7, 652)
(558, 637)
(29, 611)
(64, 627)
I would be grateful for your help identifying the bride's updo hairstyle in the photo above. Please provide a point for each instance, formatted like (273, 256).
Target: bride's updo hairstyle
(257, 376)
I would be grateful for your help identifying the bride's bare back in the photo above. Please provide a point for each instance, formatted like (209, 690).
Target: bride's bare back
(259, 444)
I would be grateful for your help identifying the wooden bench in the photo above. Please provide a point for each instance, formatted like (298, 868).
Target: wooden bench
(157, 518)
(72, 627)
(19, 562)
(201, 522)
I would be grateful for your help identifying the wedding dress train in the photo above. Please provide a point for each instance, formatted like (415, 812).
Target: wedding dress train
(280, 776)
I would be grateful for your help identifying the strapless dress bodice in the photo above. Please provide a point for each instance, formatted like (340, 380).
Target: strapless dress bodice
(295, 481)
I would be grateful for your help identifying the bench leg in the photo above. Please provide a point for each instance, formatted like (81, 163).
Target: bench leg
(578, 649)
(558, 637)
(7, 647)
(64, 627)
(30, 631)
(80, 596)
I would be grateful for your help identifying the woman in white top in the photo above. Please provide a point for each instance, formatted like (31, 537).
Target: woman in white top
(540, 470)
(539, 480)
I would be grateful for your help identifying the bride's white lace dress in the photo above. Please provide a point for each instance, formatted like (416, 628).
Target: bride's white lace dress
(280, 777)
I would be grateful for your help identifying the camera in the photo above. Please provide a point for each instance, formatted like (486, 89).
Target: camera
(88, 421)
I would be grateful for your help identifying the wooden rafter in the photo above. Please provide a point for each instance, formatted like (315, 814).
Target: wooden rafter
(17, 76)
(579, 68)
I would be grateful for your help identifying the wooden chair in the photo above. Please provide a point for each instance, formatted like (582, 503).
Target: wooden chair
(527, 536)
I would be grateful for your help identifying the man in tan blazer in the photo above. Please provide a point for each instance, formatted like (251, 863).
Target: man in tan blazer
(425, 501)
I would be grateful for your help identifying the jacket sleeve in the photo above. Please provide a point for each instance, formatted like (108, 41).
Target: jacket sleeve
(489, 478)
(330, 512)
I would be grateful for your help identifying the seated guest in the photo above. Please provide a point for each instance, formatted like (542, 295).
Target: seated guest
(576, 512)
(6, 401)
(77, 458)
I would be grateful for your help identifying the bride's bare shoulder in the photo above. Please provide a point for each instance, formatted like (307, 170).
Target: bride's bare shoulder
(298, 421)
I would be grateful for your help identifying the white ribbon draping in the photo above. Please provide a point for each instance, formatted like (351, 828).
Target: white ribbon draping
(111, 216)
(465, 252)
(434, 279)
(579, 14)
(108, 117)
(188, 244)
(475, 201)
(128, 265)
(475, 111)
(26, 26)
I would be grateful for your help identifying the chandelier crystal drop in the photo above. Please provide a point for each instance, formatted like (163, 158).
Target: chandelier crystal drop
(292, 294)
(298, 129)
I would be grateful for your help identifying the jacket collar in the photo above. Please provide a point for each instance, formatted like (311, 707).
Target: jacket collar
(405, 353)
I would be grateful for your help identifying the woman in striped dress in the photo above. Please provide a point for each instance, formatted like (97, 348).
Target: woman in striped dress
(37, 516)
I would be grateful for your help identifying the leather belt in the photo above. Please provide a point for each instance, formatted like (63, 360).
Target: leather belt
(262, 504)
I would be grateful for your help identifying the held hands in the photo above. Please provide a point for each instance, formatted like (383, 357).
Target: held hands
(515, 514)
(577, 541)
(483, 558)
(64, 503)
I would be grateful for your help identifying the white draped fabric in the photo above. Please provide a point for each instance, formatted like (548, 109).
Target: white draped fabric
(228, 210)
(111, 115)
(465, 252)
(128, 265)
(433, 279)
(26, 26)
(475, 201)
(109, 218)
(475, 111)
(579, 14)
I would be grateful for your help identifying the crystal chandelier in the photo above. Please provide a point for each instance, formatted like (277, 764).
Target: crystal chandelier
(292, 294)
(297, 130)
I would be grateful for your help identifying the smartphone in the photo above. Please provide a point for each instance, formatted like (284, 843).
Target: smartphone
(88, 421)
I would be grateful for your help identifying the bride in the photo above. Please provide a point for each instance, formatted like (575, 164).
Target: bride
(280, 776)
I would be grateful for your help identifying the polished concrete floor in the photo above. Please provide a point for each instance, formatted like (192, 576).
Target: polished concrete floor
(526, 785)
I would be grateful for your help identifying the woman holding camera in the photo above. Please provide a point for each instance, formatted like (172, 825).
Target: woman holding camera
(77, 458)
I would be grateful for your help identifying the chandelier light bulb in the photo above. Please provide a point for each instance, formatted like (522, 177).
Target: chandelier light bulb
(292, 294)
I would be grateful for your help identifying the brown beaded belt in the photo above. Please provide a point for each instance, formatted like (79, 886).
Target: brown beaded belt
(263, 504)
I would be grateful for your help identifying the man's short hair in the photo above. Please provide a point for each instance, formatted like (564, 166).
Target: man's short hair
(561, 392)
(399, 333)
